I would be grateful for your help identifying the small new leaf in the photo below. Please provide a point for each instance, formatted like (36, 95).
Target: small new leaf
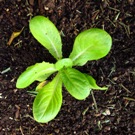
(37, 72)
(41, 85)
(48, 101)
(64, 63)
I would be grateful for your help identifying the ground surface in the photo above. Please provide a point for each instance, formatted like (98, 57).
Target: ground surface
(116, 107)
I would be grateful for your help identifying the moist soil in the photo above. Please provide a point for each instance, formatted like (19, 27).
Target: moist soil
(116, 106)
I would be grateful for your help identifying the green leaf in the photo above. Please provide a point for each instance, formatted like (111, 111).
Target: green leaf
(92, 83)
(63, 63)
(47, 34)
(91, 44)
(48, 102)
(76, 83)
(39, 72)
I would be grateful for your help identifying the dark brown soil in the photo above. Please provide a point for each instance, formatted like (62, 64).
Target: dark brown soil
(116, 107)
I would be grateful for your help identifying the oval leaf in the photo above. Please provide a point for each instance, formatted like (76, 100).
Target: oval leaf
(92, 83)
(76, 83)
(47, 34)
(48, 102)
(91, 44)
(39, 72)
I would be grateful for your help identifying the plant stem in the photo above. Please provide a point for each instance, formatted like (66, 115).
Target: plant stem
(94, 100)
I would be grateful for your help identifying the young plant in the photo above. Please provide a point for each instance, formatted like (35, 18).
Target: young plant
(91, 44)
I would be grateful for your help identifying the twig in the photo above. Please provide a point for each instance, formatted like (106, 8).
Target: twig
(95, 103)
(125, 88)
(114, 9)
(21, 130)
(6, 70)
(126, 27)
(128, 98)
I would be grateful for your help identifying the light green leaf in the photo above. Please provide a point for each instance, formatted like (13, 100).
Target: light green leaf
(91, 44)
(48, 102)
(76, 83)
(92, 83)
(63, 63)
(37, 72)
(47, 34)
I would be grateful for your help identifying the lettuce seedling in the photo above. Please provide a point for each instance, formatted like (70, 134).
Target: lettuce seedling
(91, 44)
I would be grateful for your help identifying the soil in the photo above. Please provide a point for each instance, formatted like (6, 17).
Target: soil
(116, 106)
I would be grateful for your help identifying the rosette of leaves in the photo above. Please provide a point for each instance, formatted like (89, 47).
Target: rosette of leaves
(91, 44)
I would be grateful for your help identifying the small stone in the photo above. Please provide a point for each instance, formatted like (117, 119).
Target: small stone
(46, 8)
(107, 128)
(107, 112)
(115, 78)
(131, 2)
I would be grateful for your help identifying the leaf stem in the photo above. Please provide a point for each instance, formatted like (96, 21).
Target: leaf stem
(94, 100)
